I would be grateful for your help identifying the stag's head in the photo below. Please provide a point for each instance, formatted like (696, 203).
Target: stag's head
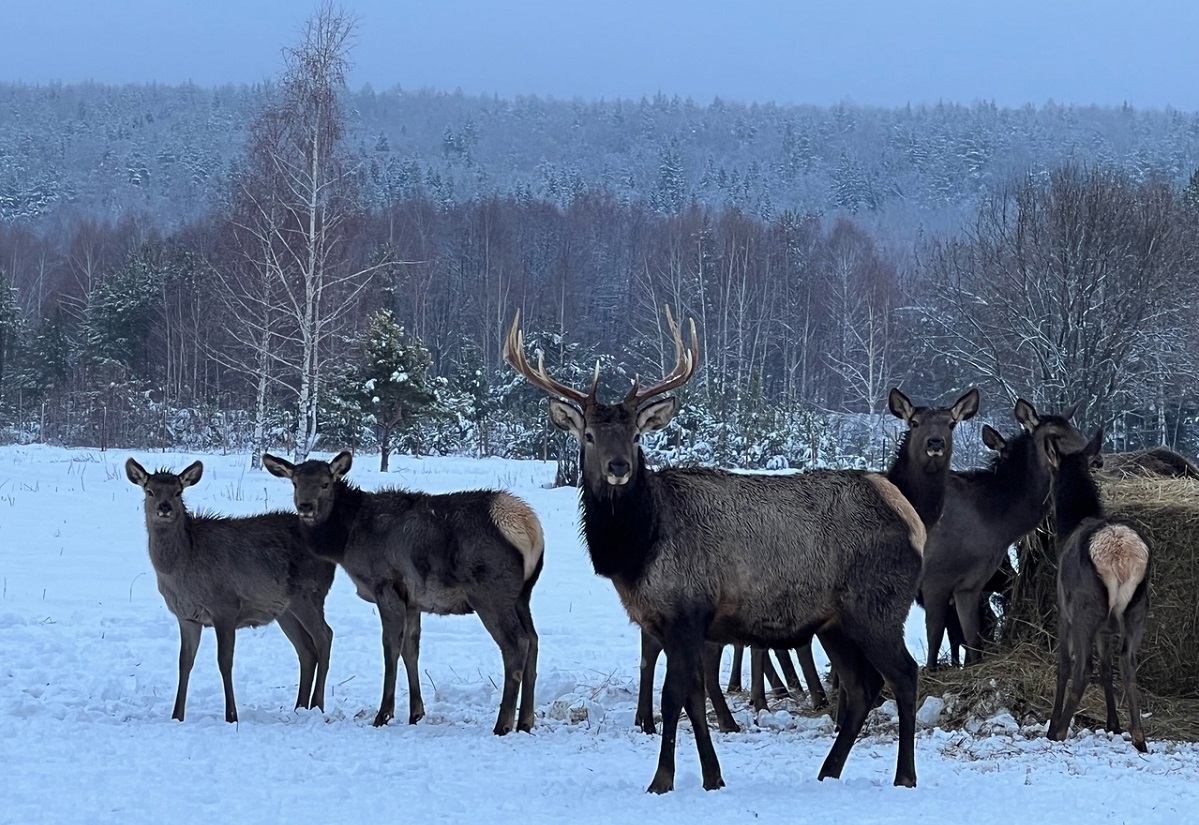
(164, 490)
(313, 483)
(929, 442)
(609, 435)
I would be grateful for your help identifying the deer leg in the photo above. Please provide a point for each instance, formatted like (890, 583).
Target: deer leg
(305, 651)
(1128, 674)
(650, 649)
(1080, 672)
(696, 708)
(1105, 679)
(966, 603)
(891, 660)
(1057, 731)
(757, 679)
(936, 605)
(787, 669)
(189, 643)
(392, 621)
(735, 673)
(410, 650)
(860, 683)
(225, 636)
(504, 625)
(808, 665)
(311, 615)
(711, 681)
(684, 645)
(528, 684)
(953, 631)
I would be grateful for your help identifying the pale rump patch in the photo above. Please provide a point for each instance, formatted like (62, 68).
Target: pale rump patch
(898, 502)
(1121, 558)
(520, 525)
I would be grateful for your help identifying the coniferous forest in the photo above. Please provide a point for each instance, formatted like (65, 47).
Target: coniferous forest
(305, 266)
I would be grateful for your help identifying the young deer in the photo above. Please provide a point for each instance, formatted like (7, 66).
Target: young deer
(1102, 594)
(229, 573)
(985, 511)
(702, 555)
(479, 551)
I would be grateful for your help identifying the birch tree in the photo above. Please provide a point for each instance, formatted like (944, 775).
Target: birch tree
(297, 202)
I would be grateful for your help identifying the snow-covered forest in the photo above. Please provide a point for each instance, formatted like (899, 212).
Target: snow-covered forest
(174, 271)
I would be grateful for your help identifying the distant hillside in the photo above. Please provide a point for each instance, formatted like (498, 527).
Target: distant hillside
(168, 151)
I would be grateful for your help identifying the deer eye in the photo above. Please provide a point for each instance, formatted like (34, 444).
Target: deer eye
(589, 438)
(149, 493)
(325, 486)
(636, 438)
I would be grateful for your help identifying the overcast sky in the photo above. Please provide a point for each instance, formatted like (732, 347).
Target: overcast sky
(874, 52)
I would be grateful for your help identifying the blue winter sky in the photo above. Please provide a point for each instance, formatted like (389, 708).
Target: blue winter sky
(872, 52)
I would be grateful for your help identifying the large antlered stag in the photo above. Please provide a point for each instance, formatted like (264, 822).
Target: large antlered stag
(770, 560)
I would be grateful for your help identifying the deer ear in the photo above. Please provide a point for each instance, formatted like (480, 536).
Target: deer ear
(900, 405)
(1069, 414)
(340, 465)
(1051, 452)
(566, 417)
(1095, 445)
(655, 416)
(993, 439)
(136, 472)
(1026, 414)
(966, 406)
(278, 466)
(191, 474)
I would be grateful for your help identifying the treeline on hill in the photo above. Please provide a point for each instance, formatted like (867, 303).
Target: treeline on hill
(305, 306)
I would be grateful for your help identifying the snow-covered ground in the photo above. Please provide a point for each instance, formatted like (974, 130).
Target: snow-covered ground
(88, 669)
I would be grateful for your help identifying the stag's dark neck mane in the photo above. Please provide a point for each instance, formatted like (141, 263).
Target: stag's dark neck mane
(1075, 495)
(923, 484)
(1015, 489)
(328, 539)
(620, 525)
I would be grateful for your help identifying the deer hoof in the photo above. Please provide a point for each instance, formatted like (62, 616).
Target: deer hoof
(383, 717)
(661, 785)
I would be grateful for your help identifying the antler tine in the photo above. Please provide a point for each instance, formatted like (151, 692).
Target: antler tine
(686, 359)
(514, 354)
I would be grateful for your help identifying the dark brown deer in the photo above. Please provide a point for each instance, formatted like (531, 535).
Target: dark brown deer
(229, 573)
(920, 470)
(985, 511)
(1102, 594)
(999, 584)
(702, 555)
(479, 551)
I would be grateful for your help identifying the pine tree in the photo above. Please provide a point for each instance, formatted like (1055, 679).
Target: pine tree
(394, 383)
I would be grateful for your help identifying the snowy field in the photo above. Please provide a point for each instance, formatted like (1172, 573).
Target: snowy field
(88, 670)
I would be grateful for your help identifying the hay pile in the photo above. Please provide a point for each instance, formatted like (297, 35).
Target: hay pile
(1019, 672)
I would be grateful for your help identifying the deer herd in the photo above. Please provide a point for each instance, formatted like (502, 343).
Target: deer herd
(700, 558)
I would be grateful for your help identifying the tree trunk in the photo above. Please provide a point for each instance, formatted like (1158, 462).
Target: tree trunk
(258, 445)
(384, 449)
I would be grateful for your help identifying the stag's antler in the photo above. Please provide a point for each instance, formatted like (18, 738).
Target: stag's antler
(514, 354)
(686, 360)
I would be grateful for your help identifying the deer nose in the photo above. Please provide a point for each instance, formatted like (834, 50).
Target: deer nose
(618, 467)
(935, 445)
(304, 507)
(164, 509)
